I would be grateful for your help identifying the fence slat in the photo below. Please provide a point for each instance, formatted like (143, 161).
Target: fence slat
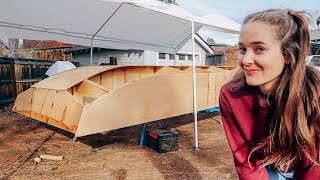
(28, 80)
(6, 101)
(6, 81)
(17, 75)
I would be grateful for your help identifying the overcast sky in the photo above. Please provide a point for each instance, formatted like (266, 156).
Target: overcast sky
(237, 10)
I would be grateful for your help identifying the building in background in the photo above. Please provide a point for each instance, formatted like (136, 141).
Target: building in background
(44, 50)
(102, 56)
(315, 39)
(218, 56)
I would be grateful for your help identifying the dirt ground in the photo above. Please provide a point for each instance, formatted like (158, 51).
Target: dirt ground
(114, 154)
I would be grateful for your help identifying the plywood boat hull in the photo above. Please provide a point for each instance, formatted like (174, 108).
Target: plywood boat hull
(94, 99)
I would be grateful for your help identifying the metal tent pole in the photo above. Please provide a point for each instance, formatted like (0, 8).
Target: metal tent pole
(91, 48)
(196, 145)
(91, 52)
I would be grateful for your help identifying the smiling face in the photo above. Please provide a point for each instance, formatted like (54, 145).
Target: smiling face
(260, 55)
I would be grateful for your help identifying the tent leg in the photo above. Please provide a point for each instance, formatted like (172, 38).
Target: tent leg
(160, 124)
(91, 53)
(142, 134)
(74, 139)
(196, 146)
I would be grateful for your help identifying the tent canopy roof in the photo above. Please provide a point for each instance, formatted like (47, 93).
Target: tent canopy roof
(116, 24)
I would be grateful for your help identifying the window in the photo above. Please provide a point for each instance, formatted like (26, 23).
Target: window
(162, 56)
(182, 57)
(171, 56)
(190, 57)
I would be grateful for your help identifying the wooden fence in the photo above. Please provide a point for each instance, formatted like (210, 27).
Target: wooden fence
(17, 75)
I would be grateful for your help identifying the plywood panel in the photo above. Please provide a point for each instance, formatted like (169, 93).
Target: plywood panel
(190, 70)
(132, 74)
(107, 80)
(168, 70)
(23, 102)
(96, 79)
(147, 71)
(38, 99)
(212, 94)
(215, 69)
(227, 67)
(62, 110)
(146, 100)
(90, 89)
(138, 96)
(118, 77)
(202, 91)
(67, 79)
(220, 79)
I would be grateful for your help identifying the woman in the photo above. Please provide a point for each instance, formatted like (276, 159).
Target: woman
(270, 110)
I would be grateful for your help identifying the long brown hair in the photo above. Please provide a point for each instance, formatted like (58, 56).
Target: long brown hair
(293, 128)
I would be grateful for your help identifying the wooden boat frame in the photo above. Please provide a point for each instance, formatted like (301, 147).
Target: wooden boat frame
(94, 99)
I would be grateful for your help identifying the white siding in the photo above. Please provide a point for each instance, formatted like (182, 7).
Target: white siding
(187, 49)
(152, 57)
(130, 59)
(145, 58)
(84, 59)
(103, 56)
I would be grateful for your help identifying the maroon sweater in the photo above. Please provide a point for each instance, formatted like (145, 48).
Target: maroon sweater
(244, 122)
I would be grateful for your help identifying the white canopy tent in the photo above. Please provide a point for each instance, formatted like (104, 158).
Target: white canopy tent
(116, 24)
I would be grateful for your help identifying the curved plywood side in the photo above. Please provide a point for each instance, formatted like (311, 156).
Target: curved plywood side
(227, 67)
(67, 79)
(23, 102)
(107, 98)
(189, 69)
(57, 108)
(168, 70)
(234, 71)
(148, 99)
(198, 70)
(215, 69)
(114, 78)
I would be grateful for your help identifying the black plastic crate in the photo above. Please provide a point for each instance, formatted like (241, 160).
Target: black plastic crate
(162, 140)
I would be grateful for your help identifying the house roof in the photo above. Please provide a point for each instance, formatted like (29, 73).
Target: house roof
(203, 43)
(219, 44)
(36, 44)
(77, 48)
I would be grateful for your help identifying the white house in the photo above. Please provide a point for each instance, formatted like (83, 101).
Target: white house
(140, 57)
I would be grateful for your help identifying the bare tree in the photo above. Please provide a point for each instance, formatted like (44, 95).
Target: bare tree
(169, 1)
(210, 41)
